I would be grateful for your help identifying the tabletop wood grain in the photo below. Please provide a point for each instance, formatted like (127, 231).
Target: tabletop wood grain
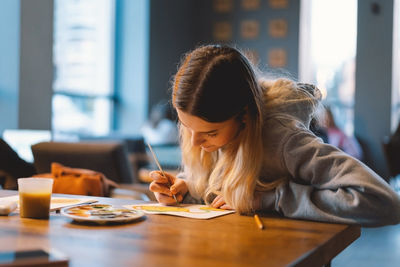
(162, 240)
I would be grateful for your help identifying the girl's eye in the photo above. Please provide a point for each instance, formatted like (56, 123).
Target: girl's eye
(212, 135)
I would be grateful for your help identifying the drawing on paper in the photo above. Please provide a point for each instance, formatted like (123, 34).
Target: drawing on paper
(183, 210)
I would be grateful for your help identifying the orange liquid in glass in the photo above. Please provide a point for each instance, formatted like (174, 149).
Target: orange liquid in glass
(34, 205)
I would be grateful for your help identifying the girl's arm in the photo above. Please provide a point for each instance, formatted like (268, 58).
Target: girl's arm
(325, 184)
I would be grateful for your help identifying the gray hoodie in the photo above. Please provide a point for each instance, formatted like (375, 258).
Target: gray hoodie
(323, 183)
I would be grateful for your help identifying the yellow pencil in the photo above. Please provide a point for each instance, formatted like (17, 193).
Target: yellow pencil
(258, 222)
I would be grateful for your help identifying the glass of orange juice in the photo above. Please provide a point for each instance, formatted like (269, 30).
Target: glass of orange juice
(34, 197)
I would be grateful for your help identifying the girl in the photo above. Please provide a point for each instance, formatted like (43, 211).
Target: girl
(246, 145)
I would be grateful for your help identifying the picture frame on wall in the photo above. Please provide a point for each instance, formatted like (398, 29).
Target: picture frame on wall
(223, 6)
(222, 31)
(278, 28)
(250, 4)
(278, 4)
(249, 29)
(277, 58)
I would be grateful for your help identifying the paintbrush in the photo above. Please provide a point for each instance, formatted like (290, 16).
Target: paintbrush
(161, 170)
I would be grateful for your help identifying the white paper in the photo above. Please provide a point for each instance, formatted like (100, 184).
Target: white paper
(183, 210)
(56, 202)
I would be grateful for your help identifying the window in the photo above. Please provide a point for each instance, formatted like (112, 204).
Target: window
(83, 52)
(327, 54)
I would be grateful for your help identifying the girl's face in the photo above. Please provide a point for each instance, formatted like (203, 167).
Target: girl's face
(210, 136)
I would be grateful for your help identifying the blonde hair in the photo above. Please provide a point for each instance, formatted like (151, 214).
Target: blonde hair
(234, 170)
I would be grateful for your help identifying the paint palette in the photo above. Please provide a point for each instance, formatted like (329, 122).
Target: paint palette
(101, 214)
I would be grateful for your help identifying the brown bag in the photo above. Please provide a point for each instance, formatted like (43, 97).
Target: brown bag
(78, 181)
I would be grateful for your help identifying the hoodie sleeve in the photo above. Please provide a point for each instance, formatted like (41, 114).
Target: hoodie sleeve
(326, 184)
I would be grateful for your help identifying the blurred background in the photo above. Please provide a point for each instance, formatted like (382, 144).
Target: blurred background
(73, 69)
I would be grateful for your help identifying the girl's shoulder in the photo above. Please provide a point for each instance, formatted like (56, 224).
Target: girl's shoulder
(283, 124)
(278, 129)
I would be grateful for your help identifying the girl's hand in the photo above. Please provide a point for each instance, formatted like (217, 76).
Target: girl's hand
(219, 203)
(162, 190)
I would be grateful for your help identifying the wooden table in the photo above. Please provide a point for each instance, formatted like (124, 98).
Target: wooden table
(161, 240)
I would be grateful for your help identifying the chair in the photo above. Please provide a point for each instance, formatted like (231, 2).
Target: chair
(135, 145)
(109, 158)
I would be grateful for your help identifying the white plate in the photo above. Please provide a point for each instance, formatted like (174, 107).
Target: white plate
(101, 214)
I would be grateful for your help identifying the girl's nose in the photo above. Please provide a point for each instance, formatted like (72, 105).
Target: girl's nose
(197, 139)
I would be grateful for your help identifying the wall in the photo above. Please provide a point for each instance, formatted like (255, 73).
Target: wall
(172, 33)
(372, 111)
(258, 37)
(9, 63)
(36, 64)
(26, 70)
